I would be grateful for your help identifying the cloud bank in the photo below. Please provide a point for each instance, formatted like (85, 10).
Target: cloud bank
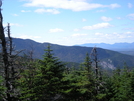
(74, 5)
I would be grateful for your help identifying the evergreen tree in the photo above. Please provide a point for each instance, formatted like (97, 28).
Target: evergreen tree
(121, 88)
(76, 86)
(132, 85)
(88, 72)
(48, 83)
(27, 79)
(80, 83)
(125, 88)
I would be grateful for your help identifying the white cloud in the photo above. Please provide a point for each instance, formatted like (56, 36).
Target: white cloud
(79, 0)
(98, 26)
(15, 15)
(101, 11)
(106, 18)
(132, 28)
(114, 6)
(115, 35)
(84, 20)
(98, 37)
(55, 30)
(119, 18)
(131, 16)
(100, 34)
(16, 24)
(53, 11)
(75, 5)
(25, 11)
(128, 32)
(78, 35)
(130, 5)
(76, 29)
(29, 37)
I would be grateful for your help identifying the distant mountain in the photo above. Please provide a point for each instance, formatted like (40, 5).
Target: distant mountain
(116, 46)
(125, 48)
(129, 52)
(76, 54)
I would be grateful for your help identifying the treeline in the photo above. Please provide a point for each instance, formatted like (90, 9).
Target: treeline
(50, 80)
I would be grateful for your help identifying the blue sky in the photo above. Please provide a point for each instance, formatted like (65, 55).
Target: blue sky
(71, 22)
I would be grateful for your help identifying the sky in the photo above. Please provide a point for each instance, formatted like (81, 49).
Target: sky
(70, 22)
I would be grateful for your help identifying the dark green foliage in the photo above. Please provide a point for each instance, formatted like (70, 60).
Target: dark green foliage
(89, 76)
(2, 89)
(119, 85)
(44, 83)
(80, 83)
(132, 85)
(77, 86)
(49, 80)
(27, 79)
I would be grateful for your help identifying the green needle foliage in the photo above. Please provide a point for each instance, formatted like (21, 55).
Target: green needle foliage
(80, 83)
(49, 78)
(27, 80)
(2, 88)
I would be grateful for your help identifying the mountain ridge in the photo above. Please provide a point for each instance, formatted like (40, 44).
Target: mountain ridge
(73, 53)
(115, 46)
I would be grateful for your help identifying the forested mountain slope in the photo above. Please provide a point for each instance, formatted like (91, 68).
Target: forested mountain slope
(74, 53)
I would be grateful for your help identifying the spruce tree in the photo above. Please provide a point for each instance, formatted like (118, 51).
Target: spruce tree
(88, 72)
(27, 80)
(80, 83)
(121, 85)
(49, 78)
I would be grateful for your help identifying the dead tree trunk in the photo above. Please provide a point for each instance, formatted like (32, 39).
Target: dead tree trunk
(5, 59)
(95, 62)
(9, 65)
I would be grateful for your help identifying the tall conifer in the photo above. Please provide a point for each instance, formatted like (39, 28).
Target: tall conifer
(49, 78)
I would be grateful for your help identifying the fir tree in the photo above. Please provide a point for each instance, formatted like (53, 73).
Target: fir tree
(49, 78)
(80, 83)
(27, 79)
(88, 72)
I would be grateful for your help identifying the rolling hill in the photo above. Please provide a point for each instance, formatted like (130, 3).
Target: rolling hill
(76, 54)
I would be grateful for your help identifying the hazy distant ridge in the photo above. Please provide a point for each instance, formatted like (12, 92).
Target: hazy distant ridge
(116, 46)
